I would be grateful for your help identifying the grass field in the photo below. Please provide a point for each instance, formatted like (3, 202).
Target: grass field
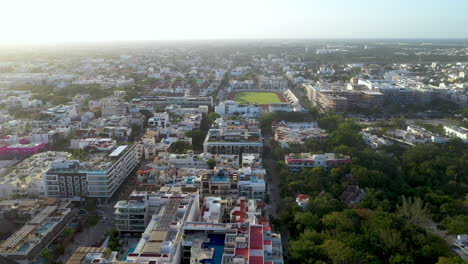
(257, 98)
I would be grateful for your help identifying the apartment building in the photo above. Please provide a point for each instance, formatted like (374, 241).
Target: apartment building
(26, 177)
(192, 160)
(300, 161)
(229, 243)
(233, 141)
(163, 101)
(48, 218)
(227, 108)
(97, 176)
(168, 208)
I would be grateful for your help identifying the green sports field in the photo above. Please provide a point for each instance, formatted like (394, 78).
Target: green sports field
(257, 98)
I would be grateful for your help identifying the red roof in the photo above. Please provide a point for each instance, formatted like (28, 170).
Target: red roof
(302, 196)
(256, 260)
(240, 213)
(256, 237)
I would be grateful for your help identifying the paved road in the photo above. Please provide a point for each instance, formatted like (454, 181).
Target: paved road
(274, 191)
(89, 236)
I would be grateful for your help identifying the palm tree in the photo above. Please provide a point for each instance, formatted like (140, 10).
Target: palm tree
(414, 209)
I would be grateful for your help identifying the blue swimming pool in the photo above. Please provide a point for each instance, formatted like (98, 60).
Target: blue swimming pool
(23, 247)
(44, 228)
(216, 243)
(130, 250)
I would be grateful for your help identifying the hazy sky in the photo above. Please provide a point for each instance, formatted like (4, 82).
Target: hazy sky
(70, 20)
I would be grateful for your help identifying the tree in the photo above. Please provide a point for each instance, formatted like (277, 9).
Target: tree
(211, 163)
(453, 260)
(180, 147)
(413, 209)
(338, 252)
(457, 224)
(212, 117)
(198, 137)
(90, 204)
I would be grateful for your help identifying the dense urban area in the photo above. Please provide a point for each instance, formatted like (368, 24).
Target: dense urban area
(235, 152)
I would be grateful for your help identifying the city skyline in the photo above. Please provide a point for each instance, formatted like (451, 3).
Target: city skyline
(56, 21)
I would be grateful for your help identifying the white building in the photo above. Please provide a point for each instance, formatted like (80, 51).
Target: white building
(99, 176)
(232, 108)
(455, 131)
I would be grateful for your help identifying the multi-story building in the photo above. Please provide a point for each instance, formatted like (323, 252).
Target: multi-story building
(99, 176)
(298, 162)
(231, 243)
(220, 183)
(232, 108)
(169, 209)
(47, 220)
(233, 141)
(191, 160)
(252, 177)
(455, 131)
(392, 93)
(26, 177)
(286, 136)
(341, 100)
(159, 120)
(163, 101)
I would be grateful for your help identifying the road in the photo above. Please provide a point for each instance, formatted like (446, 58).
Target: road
(274, 191)
(89, 236)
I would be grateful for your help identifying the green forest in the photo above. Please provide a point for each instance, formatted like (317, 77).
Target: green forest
(412, 193)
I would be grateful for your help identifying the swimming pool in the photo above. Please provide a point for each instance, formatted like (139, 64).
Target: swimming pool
(23, 247)
(130, 250)
(43, 229)
(217, 244)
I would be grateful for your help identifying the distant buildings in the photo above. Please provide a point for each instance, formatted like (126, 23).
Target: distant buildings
(416, 134)
(456, 131)
(163, 101)
(341, 100)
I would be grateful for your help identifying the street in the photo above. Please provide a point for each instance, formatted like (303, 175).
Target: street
(89, 236)
(274, 191)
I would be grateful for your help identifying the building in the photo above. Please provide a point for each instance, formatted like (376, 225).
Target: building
(338, 99)
(302, 200)
(286, 136)
(191, 160)
(101, 144)
(26, 178)
(47, 220)
(227, 108)
(227, 243)
(98, 176)
(92, 255)
(454, 131)
(392, 93)
(297, 162)
(19, 150)
(251, 182)
(168, 210)
(220, 184)
(233, 141)
(159, 120)
(163, 101)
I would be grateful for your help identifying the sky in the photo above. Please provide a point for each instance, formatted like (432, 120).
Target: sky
(107, 20)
